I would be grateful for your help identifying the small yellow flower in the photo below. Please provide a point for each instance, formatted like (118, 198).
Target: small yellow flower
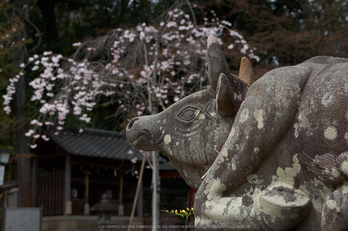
(181, 212)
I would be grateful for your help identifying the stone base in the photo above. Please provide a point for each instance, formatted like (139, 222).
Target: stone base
(89, 223)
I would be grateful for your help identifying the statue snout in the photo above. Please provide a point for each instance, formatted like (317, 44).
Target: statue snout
(139, 135)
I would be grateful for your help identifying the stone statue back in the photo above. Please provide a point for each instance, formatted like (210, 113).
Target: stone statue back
(270, 157)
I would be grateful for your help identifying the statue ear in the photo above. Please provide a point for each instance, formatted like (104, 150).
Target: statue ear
(224, 97)
(231, 85)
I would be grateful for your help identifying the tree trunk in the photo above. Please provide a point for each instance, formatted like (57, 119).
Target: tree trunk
(51, 29)
(156, 183)
(156, 186)
(23, 163)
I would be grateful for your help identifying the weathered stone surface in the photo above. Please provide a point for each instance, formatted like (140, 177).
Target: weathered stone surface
(272, 156)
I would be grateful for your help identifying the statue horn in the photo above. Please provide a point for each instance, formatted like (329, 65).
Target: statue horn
(246, 71)
(216, 62)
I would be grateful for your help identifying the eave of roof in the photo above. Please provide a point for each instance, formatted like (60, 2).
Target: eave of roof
(95, 143)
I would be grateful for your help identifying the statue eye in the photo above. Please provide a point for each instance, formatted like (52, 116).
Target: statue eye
(188, 114)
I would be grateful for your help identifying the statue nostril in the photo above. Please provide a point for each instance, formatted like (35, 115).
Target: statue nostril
(130, 125)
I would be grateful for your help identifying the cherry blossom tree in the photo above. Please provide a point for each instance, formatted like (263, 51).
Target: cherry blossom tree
(123, 66)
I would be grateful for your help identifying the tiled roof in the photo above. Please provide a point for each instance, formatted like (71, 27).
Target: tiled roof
(95, 143)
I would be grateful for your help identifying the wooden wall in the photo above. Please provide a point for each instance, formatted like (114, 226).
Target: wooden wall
(50, 191)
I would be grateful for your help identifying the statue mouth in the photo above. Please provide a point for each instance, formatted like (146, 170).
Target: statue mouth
(142, 140)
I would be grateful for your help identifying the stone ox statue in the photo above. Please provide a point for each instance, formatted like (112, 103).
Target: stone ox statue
(270, 157)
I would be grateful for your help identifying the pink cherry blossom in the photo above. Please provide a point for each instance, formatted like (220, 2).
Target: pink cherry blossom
(70, 85)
